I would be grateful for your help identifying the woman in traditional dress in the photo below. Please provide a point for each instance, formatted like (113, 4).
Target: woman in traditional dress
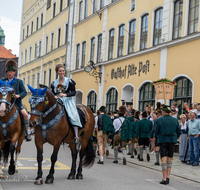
(184, 145)
(64, 89)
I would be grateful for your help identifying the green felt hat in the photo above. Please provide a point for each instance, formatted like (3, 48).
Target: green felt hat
(11, 65)
(132, 111)
(166, 108)
(102, 109)
(144, 114)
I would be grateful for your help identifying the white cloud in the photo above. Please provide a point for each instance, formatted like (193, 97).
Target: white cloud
(12, 31)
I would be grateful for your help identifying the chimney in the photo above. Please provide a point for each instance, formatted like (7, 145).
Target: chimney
(10, 50)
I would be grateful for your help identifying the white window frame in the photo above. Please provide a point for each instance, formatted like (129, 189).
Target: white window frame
(131, 6)
(23, 33)
(25, 56)
(31, 27)
(82, 17)
(36, 23)
(79, 56)
(37, 78)
(43, 76)
(117, 40)
(57, 36)
(36, 52)
(51, 40)
(27, 34)
(24, 80)
(108, 38)
(52, 9)
(82, 52)
(50, 68)
(28, 77)
(41, 19)
(33, 80)
(30, 54)
(97, 44)
(46, 45)
(65, 32)
(21, 58)
(39, 49)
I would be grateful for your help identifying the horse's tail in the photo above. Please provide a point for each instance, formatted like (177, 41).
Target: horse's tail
(89, 155)
(6, 151)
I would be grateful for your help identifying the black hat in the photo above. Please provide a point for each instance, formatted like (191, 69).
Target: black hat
(102, 109)
(11, 65)
(144, 114)
(185, 111)
(132, 111)
(166, 108)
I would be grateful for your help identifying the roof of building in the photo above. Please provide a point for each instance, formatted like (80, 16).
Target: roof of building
(4, 53)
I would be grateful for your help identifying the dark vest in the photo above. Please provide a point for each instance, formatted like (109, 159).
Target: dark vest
(100, 122)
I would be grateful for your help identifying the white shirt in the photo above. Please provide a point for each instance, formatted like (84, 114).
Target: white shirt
(96, 121)
(183, 127)
(117, 123)
(176, 114)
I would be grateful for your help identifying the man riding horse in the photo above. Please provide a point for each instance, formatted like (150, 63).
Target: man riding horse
(20, 92)
(64, 89)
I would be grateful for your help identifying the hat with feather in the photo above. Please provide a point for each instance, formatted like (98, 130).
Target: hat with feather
(11, 65)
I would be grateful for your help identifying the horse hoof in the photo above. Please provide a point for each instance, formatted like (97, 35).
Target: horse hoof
(11, 170)
(71, 177)
(79, 176)
(1, 176)
(49, 180)
(38, 181)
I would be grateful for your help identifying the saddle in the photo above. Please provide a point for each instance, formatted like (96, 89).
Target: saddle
(80, 113)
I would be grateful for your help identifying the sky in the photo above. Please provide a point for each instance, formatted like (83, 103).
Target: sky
(10, 15)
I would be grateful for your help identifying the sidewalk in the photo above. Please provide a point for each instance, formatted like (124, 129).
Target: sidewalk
(178, 169)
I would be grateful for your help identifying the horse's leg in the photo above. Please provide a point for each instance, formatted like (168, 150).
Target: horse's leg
(54, 157)
(74, 157)
(38, 180)
(1, 172)
(18, 149)
(79, 171)
(11, 168)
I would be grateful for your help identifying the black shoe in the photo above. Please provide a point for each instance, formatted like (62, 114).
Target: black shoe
(157, 163)
(141, 159)
(164, 182)
(135, 151)
(97, 152)
(107, 152)
(28, 138)
(115, 162)
(124, 161)
(132, 157)
(167, 180)
(129, 153)
(138, 157)
(189, 163)
(100, 162)
(148, 157)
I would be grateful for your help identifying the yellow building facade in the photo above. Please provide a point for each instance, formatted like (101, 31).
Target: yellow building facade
(130, 42)
(133, 43)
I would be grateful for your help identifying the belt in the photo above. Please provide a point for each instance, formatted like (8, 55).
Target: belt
(117, 133)
(192, 135)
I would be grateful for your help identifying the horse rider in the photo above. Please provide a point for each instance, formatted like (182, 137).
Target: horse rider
(20, 92)
(64, 89)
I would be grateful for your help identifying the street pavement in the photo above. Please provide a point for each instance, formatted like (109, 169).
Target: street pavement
(107, 177)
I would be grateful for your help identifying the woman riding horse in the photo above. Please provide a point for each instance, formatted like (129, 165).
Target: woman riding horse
(64, 89)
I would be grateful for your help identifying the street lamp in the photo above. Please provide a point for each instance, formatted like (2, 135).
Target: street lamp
(92, 70)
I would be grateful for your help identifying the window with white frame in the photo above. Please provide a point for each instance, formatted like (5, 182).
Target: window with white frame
(77, 55)
(35, 54)
(121, 40)
(94, 6)
(158, 26)
(37, 23)
(144, 32)
(25, 56)
(30, 52)
(111, 44)
(102, 4)
(131, 40)
(66, 33)
(52, 36)
(99, 48)
(61, 5)
(32, 27)
(86, 8)
(28, 82)
(21, 58)
(83, 54)
(24, 80)
(193, 21)
(41, 24)
(48, 4)
(132, 5)
(46, 48)
(80, 11)
(38, 80)
(178, 17)
(27, 31)
(44, 77)
(23, 34)
(33, 81)
(92, 49)
(54, 9)
(59, 35)
(49, 82)
(40, 49)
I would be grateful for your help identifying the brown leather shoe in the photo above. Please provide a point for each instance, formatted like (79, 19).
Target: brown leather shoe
(100, 162)
(124, 161)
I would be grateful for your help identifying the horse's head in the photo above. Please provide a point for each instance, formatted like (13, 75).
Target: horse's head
(7, 96)
(38, 102)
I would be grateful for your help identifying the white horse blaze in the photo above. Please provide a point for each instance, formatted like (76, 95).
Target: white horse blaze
(3, 106)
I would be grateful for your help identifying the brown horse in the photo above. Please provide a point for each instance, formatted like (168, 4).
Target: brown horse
(12, 130)
(52, 126)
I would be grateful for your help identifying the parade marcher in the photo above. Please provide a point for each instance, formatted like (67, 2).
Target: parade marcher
(184, 154)
(193, 137)
(64, 89)
(20, 92)
(131, 119)
(144, 128)
(122, 134)
(167, 132)
(134, 130)
(103, 126)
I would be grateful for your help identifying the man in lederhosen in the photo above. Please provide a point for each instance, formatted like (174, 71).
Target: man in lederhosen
(20, 92)
(167, 131)
(144, 127)
(122, 134)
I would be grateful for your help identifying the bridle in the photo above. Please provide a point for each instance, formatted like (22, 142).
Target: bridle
(4, 91)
